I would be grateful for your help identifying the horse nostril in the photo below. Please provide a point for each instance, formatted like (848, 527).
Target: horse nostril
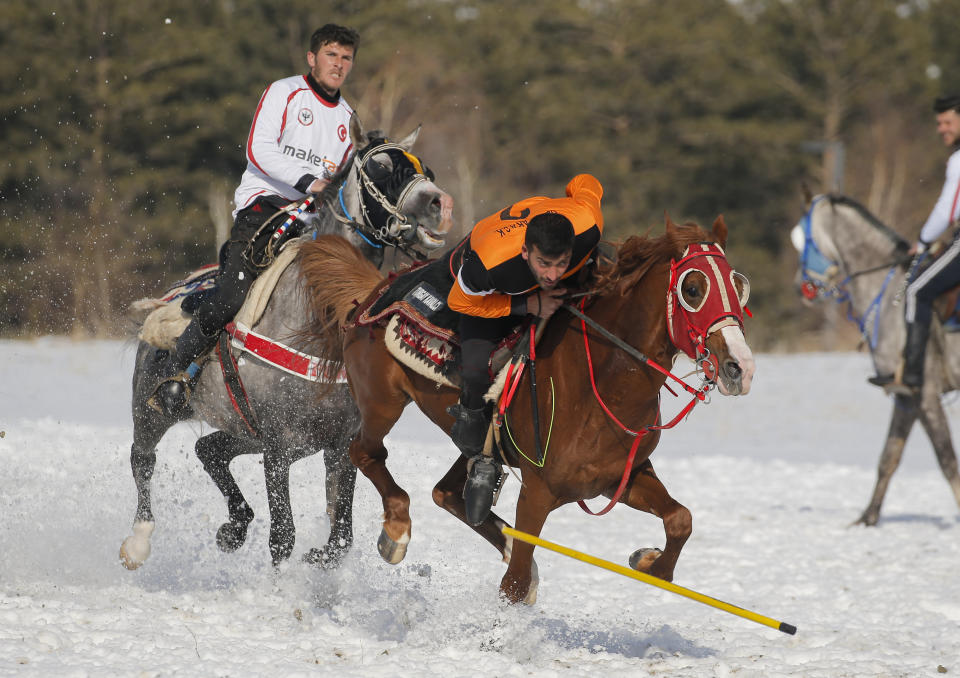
(732, 369)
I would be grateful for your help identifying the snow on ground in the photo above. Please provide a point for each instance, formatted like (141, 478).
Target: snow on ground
(773, 480)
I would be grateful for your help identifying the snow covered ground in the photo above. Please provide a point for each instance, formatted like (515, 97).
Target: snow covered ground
(773, 480)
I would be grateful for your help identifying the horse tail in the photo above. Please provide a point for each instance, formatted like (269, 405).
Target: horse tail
(335, 277)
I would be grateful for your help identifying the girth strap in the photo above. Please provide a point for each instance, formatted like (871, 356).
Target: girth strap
(231, 380)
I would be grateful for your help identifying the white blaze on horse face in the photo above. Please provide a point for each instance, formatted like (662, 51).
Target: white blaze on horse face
(797, 238)
(739, 351)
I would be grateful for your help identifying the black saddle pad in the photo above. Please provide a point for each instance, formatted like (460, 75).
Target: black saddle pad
(425, 287)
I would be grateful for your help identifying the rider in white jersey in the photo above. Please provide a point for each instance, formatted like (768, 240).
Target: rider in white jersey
(299, 135)
(944, 272)
(298, 140)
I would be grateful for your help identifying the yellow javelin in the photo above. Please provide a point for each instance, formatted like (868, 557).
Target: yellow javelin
(650, 579)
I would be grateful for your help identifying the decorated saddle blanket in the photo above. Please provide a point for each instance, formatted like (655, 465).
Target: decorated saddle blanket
(165, 318)
(420, 329)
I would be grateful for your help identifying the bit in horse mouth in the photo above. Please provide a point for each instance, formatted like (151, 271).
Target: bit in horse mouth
(428, 238)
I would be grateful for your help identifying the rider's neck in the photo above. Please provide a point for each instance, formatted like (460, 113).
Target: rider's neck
(315, 86)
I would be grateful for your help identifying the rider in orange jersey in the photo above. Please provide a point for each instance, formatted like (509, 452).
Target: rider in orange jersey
(513, 265)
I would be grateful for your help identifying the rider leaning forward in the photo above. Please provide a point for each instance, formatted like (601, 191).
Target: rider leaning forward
(944, 272)
(513, 265)
(297, 141)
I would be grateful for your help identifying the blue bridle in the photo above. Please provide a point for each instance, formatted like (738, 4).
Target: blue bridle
(816, 270)
(349, 216)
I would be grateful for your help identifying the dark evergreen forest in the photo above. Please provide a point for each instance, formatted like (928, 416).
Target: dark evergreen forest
(123, 125)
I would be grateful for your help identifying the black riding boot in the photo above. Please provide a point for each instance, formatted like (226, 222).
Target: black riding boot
(914, 355)
(469, 429)
(178, 375)
(469, 432)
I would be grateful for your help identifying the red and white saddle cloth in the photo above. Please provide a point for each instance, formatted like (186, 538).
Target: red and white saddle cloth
(281, 356)
(163, 321)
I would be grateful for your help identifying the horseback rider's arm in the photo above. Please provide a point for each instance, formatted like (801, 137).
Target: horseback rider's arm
(945, 211)
(473, 292)
(586, 190)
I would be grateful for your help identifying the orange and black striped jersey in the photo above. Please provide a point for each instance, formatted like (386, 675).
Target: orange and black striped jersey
(492, 268)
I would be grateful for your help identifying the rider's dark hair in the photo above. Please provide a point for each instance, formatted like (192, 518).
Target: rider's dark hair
(552, 233)
(329, 33)
(950, 102)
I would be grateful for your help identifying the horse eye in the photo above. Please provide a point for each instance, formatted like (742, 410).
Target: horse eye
(377, 169)
(691, 290)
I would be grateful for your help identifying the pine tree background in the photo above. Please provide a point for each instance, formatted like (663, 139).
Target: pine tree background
(123, 126)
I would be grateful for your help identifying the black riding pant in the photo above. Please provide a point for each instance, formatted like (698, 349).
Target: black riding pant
(940, 276)
(236, 273)
(478, 338)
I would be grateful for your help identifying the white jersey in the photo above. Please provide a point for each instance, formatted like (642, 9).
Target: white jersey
(296, 137)
(947, 209)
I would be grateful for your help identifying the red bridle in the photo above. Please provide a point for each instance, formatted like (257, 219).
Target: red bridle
(721, 304)
(689, 328)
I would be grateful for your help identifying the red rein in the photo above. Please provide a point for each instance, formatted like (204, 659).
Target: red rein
(698, 395)
(688, 329)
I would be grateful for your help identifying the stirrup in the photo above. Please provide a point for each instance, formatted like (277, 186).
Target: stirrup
(881, 379)
(484, 479)
(898, 387)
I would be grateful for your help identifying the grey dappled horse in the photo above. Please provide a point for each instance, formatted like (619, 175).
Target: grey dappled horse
(382, 192)
(848, 254)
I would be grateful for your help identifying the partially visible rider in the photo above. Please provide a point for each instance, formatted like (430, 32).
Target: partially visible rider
(944, 272)
(512, 266)
(298, 140)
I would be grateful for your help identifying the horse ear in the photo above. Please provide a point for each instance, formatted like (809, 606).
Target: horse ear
(669, 222)
(356, 131)
(407, 143)
(807, 194)
(720, 231)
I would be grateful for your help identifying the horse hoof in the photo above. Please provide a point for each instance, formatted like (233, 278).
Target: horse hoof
(135, 549)
(641, 560)
(327, 558)
(531, 596)
(128, 561)
(231, 536)
(390, 550)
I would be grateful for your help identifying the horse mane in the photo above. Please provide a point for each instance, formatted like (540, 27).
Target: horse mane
(638, 254)
(838, 199)
(332, 272)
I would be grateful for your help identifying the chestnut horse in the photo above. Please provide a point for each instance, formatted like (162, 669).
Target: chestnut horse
(589, 453)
